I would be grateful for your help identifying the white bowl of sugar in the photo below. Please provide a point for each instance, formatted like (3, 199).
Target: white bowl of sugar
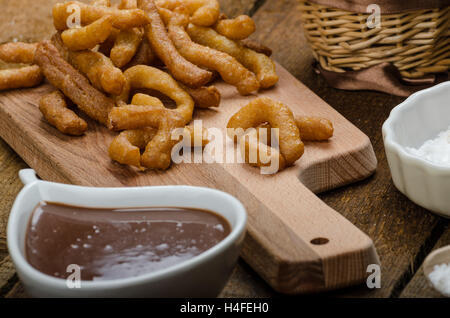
(417, 144)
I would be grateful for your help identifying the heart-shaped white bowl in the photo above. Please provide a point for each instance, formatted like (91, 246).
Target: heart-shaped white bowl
(204, 275)
(419, 118)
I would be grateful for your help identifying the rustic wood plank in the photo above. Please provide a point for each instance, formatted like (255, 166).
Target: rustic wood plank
(398, 227)
(419, 287)
(7, 275)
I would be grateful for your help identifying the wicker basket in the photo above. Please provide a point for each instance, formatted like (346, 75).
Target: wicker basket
(417, 42)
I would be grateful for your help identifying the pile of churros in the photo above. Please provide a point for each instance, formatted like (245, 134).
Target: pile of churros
(103, 56)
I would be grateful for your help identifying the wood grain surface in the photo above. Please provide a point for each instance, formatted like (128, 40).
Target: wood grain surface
(403, 233)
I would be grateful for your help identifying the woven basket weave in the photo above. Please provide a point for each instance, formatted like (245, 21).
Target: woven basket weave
(416, 42)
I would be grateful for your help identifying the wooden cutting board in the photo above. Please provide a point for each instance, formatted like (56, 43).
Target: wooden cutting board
(294, 241)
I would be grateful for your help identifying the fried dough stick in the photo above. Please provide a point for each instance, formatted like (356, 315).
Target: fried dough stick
(75, 86)
(127, 42)
(195, 134)
(88, 37)
(228, 67)
(99, 69)
(54, 108)
(127, 4)
(27, 76)
(314, 128)
(126, 147)
(101, 3)
(141, 76)
(18, 52)
(238, 28)
(183, 70)
(250, 145)
(157, 153)
(121, 19)
(278, 115)
(310, 128)
(256, 46)
(205, 96)
(144, 55)
(258, 63)
(203, 12)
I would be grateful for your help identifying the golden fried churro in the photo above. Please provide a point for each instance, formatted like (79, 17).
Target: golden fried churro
(101, 3)
(157, 154)
(183, 70)
(228, 67)
(125, 46)
(314, 128)
(238, 28)
(310, 128)
(144, 99)
(54, 108)
(99, 69)
(127, 4)
(27, 76)
(75, 86)
(121, 19)
(88, 37)
(142, 76)
(257, 153)
(261, 110)
(126, 147)
(260, 64)
(18, 52)
(205, 96)
(256, 46)
(143, 56)
(202, 12)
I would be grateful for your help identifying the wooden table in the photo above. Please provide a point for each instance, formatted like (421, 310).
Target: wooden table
(403, 232)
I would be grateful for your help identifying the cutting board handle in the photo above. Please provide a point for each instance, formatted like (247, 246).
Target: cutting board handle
(309, 247)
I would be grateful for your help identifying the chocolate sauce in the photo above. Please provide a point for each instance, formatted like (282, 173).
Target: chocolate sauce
(117, 243)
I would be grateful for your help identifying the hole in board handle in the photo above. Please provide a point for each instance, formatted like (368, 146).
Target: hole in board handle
(319, 241)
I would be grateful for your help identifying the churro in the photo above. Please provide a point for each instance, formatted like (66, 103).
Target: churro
(121, 19)
(142, 76)
(258, 63)
(75, 86)
(229, 68)
(279, 116)
(181, 69)
(238, 28)
(53, 107)
(27, 76)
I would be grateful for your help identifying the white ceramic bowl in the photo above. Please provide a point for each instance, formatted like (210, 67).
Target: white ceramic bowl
(202, 276)
(419, 118)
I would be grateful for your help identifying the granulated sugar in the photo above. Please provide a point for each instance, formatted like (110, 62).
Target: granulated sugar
(435, 150)
(440, 278)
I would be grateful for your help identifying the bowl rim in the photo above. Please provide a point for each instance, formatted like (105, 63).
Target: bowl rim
(395, 115)
(57, 283)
